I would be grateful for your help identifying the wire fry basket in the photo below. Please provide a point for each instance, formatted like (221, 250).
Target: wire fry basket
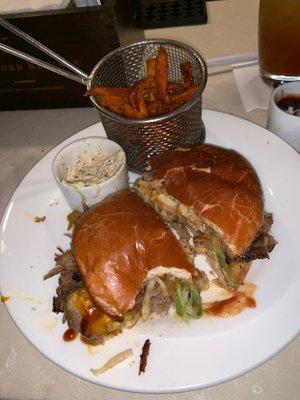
(143, 138)
(140, 138)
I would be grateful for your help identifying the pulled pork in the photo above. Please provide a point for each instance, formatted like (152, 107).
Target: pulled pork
(70, 279)
(230, 271)
(262, 245)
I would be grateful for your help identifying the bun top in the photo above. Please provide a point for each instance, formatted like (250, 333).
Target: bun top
(220, 185)
(116, 243)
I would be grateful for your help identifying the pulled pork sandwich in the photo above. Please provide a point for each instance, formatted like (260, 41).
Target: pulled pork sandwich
(124, 264)
(213, 198)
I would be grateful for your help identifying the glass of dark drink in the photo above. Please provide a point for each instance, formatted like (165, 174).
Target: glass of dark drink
(279, 40)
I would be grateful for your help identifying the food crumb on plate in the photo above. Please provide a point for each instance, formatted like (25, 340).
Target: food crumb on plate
(117, 359)
(39, 219)
(144, 356)
(4, 299)
(53, 202)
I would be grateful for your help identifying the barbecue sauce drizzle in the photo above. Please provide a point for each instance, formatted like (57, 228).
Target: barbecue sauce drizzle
(70, 335)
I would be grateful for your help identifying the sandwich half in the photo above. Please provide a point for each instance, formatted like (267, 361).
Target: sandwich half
(124, 264)
(213, 198)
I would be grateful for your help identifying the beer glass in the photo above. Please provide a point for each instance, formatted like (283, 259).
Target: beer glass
(279, 40)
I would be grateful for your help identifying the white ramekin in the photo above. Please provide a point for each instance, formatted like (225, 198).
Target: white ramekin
(87, 148)
(280, 122)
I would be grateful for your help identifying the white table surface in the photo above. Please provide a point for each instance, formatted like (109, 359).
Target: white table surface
(25, 136)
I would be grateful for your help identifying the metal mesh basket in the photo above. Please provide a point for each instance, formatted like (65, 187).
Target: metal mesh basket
(143, 138)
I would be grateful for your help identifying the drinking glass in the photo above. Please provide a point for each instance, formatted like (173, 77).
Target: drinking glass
(279, 40)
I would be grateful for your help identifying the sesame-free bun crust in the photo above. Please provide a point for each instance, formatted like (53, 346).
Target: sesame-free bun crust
(116, 243)
(220, 185)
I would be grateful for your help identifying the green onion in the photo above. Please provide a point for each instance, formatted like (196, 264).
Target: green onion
(215, 248)
(184, 294)
(188, 306)
(227, 271)
(180, 303)
(196, 300)
(222, 259)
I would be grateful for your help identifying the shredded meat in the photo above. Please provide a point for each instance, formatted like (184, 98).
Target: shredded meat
(139, 300)
(69, 280)
(180, 229)
(200, 280)
(159, 303)
(144, 356)
(54, 271)
(184, 237)
(262, 245)
(267, 223)
(239, 270)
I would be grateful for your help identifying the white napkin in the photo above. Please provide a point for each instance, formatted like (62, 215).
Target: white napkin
(254, 92)
(16, 6)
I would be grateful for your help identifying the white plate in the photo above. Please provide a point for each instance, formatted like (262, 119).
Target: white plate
(182, 357)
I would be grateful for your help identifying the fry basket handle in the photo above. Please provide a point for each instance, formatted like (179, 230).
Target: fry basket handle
(79, 75)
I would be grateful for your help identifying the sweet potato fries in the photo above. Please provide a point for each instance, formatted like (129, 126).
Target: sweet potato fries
(152, 96)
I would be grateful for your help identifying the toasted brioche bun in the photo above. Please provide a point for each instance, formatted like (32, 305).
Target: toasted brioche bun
(117, 243)
(220, 185)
